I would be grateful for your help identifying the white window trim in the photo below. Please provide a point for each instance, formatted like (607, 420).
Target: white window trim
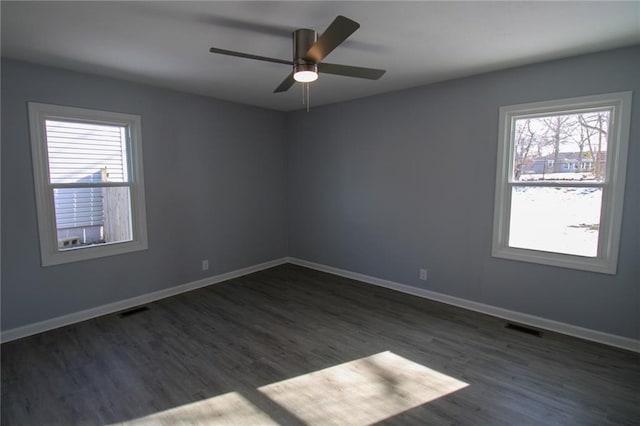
(50, 254)
(613, 190)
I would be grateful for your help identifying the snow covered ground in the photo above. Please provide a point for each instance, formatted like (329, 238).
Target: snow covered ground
(562, 220)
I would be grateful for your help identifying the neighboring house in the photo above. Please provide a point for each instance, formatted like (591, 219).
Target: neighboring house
(569, 162)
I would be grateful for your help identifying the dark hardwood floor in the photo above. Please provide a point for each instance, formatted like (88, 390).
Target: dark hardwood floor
(214, 355)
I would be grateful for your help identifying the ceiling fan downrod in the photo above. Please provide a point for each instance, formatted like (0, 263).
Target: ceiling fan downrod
(304, 70)
(305, 95)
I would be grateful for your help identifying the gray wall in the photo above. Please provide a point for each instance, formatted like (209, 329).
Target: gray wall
(388, 184)
(215, 189)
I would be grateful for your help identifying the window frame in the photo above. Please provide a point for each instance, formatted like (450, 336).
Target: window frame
(613, 186)
(44, 190)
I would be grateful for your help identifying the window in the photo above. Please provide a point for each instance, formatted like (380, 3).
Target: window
(547, 209)
(89, 182)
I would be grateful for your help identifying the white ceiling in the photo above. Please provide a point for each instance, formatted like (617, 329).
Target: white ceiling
(167, 43)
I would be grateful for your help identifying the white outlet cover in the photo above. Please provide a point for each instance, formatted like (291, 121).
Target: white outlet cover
(423, 274)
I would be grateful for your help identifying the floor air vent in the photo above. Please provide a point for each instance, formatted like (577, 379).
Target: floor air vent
(524, 329)
(133, 311)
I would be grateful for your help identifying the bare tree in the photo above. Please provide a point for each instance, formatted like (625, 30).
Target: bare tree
(580, 139)
(525, 138)
(559, 129)
(593, 132)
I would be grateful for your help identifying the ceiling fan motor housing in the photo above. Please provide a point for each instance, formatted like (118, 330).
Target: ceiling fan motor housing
(303, 39)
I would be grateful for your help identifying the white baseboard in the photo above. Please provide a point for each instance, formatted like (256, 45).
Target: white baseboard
(39, 327)
(532, 320)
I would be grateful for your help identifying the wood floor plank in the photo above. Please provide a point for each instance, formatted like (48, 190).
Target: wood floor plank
(209, 357)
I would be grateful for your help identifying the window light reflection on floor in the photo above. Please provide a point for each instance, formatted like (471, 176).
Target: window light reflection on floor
(359, 392)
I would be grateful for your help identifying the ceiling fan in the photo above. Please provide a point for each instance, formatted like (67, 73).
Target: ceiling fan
(308, 52)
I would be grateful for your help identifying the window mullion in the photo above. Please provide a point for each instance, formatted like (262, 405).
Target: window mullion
(91, 185)
(556, 184)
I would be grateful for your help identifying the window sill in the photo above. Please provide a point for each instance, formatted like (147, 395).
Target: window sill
(591, 264)
(93, 252)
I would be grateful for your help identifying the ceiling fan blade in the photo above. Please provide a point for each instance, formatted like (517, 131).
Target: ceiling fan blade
(349, 71)
(249, 56)
(286, 84)
(339, 30)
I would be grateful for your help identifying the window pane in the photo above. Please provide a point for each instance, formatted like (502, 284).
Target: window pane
(552, 219)
(85, 153)
(561, 147)
(89, 216)
(78, 207)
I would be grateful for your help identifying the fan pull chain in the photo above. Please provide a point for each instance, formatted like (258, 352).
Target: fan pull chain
(305, 95)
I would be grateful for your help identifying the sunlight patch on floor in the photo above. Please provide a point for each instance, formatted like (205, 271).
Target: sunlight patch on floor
(361, 392)
(228, 409)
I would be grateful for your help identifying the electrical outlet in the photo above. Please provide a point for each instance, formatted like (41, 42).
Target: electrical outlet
(423, 274)
(205, 265)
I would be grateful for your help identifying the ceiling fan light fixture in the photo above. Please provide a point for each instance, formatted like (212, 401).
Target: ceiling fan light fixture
(305, 73)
